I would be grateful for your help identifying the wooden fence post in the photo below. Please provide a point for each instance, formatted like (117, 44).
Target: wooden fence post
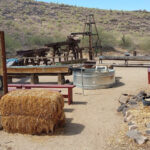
(3, 69)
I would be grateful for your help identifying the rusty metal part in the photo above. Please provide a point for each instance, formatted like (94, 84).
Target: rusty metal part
(3, 62)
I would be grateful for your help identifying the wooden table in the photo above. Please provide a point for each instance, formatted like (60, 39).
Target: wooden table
(35, 71)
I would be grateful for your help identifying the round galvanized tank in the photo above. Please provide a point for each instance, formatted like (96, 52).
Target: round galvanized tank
(94, 78)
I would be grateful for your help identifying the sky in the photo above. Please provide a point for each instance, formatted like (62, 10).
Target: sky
(107, 4)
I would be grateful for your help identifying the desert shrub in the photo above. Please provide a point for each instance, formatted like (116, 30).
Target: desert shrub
(11, 43)
(127, 42)
(38, 40)
(107, 39)
(144, 44)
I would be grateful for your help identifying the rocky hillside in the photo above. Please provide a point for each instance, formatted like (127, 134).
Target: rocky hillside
(29, 23)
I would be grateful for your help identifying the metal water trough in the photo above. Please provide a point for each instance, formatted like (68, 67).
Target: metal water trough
(94, 78)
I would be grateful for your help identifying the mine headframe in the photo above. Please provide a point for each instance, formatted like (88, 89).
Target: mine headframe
(93, 37)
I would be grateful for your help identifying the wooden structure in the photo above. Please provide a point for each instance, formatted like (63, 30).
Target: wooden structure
(131, 65)
(32, 57)
(93, 36)
(41, 52)
(124, 58)
(3, 70)
(34, 72)
(69, 95)
(61, 52)
(71, 47)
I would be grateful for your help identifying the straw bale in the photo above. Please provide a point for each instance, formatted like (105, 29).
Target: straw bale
(32, 111)
(30, 125)
(37, 103)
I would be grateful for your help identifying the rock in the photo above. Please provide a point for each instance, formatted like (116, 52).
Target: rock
(132, 127)
(139, 98)
(127, 119)
(147, 132)
(127, 114)
(123, 99)
(141, 139)
(137, 136)
(148, 125)
(132, 102)
(131, 123)
(125, 109)
(133, 134)
(141, 94)
(120, 108)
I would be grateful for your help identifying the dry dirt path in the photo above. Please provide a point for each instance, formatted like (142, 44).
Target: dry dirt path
(90, 120)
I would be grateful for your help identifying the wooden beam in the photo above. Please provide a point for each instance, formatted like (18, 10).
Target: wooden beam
(32, 51)
(129, 58)
(58, 44)
(3, 69)
(132, 65)
(37, 70)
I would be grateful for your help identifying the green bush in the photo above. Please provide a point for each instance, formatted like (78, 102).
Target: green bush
(11, 43)
(127, 42)
(107, 41)
(37, 40)
(144, 44)
(107, 38)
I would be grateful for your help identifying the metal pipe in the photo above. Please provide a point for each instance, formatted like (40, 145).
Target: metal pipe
(82, 81)
(3, 62)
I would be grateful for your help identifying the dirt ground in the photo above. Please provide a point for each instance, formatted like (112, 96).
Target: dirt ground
(91, 120)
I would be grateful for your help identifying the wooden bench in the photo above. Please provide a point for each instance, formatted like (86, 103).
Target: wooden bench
(29, 86)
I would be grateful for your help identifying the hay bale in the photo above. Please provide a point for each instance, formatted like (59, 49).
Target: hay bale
(32, 111)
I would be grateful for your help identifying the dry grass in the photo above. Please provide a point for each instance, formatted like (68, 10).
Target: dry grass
(141, 116)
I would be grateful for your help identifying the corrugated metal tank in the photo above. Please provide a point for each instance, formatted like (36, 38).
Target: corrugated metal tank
(94, 78)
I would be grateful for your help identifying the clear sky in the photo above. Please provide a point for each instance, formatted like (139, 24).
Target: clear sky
(108, 4)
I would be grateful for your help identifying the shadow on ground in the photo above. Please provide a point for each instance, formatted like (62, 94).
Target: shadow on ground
(72, 128)
(23, 80)
(69, 129)
(118, 82)
(68, 110)
(79, 103)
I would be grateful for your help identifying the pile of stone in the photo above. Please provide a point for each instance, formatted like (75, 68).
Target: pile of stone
(136, 116)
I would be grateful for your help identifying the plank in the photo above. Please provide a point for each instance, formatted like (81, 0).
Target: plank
(131, 58)
(37, 70)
